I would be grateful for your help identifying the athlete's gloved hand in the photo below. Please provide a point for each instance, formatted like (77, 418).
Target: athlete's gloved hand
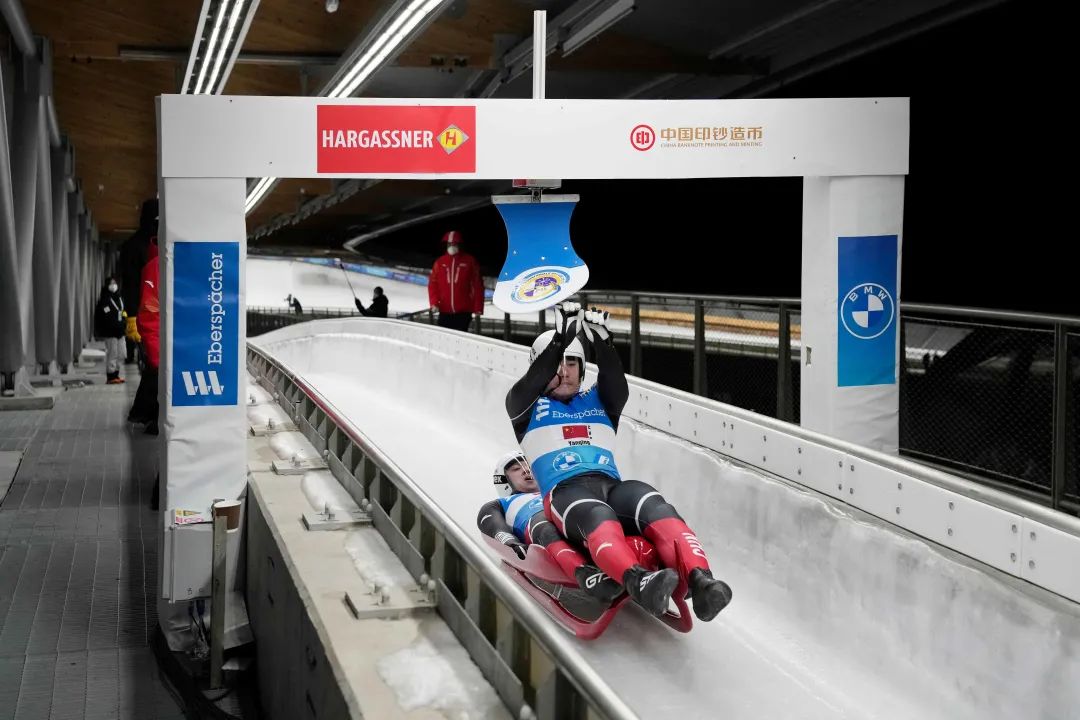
(595, 323)
(511, 541)
(131, 331)
(566, 319)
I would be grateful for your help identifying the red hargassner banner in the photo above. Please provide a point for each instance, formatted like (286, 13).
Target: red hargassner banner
(396, 139)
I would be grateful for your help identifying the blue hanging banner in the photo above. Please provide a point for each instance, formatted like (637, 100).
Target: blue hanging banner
(542, 268)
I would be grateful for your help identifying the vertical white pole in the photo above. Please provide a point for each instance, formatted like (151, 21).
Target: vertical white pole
(539, 53)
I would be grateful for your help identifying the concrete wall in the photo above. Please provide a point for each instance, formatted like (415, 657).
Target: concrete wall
(295, 678)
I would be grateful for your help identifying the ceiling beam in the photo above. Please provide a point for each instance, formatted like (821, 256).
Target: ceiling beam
(152, 54)
(861, 45)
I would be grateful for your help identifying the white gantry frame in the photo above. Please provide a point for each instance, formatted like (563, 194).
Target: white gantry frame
(852, 154)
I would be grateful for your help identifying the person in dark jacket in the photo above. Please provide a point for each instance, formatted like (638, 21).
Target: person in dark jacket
(109, 323)
(133, 255)
(377, 308)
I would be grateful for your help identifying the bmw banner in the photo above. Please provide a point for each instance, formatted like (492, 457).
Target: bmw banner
(866, 332)
(206, 318)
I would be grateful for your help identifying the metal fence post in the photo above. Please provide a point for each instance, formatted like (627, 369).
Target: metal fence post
(543, 321)
(699, 348)
(783, 365)
(506, 327)
(901, 378)
(1061, 389)
(217, 606)
(635, 336)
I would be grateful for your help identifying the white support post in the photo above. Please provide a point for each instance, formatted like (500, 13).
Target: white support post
(61, 170)
(46, 277)
(852, 231)
(11, 331)
(69, 273)
(29, 121)
(539, 54)
(202, 371)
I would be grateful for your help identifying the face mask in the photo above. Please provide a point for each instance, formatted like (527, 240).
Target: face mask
(451, 249)
(113, 287)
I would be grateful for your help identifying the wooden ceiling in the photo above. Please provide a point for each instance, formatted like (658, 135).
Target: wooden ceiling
(105, 98)
(105, 104)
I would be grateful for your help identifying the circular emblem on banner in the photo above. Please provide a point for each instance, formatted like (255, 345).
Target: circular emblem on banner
(642, 137)
(867, 310)
(565, 460)
(538, 285)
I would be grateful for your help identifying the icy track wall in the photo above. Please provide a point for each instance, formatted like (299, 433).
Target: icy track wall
(860, 617)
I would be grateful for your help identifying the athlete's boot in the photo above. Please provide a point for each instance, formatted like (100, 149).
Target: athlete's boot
(650, 590)
(597, 585)
(710, 595)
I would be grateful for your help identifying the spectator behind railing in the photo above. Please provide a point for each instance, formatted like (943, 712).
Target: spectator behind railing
(379, 306)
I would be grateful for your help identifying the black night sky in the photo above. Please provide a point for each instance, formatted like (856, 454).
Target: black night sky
(978, 226)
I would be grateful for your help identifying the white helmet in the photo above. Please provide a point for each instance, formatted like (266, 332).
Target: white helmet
(515, 456)
(573, 350)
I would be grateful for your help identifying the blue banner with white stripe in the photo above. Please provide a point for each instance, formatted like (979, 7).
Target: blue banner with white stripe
(867, 322)
(205, 323)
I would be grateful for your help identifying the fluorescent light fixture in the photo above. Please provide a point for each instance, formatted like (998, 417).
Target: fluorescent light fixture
(224, 46)
(376, 54)
(258, 192)
(195, 46)
(595, 23)
(211, 45)
(209, 64)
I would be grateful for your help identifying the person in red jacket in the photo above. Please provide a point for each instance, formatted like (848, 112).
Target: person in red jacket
(145, 407)
(148, 319)
(455, 289)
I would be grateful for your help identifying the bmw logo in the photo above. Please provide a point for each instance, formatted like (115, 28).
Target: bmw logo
(867, 310)
(566, 460)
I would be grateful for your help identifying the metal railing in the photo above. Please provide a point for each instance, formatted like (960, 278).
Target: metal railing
(526, 658)
(986, 394)
(263, 319)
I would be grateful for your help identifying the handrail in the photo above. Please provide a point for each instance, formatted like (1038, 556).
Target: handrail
(961, 486)
(985, 314)
(793, 303)
(971, 312)
(550, 637)
(322, 312)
